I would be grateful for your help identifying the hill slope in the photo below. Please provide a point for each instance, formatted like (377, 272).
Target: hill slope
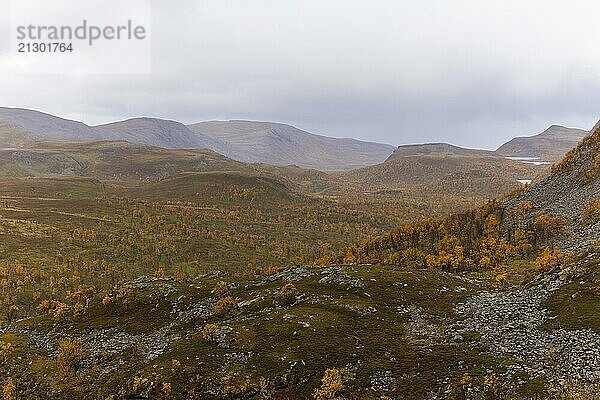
(443, 168)
(281, 144)
(571, 189)
(563, 209)
(158, 132)
(550, 145)
(122, 161)
(39, 125)
(438, 149)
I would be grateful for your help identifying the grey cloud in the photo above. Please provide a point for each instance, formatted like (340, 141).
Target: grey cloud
(467, 72)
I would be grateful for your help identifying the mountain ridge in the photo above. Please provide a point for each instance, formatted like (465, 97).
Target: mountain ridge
(426, 168)
(272, 143)
(281, 144)
(437, 148)
(549, 145)
(278, 143)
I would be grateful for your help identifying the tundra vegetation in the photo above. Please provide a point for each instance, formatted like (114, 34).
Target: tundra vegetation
(233, 285)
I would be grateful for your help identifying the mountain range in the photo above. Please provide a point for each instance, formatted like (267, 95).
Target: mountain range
(248, 141)
(265, 142)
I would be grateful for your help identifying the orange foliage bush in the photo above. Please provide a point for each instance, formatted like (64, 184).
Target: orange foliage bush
(209, 330)
(226, 305)
(546, 226)
(221, 288)
(549, 258)
(524, 207)
(70, 357)
(592, 211)
(332, 383)
(287, 294)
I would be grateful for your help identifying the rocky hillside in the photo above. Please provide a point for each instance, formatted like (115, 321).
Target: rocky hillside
(571, 193)
(357, 331)
(562, 210)
(550, 145)
(281, 144)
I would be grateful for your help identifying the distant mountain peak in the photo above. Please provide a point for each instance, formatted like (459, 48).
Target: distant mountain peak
(549, 145)
(151, 120)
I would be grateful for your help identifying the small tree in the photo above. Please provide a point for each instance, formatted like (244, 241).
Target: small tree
(524, 207)
(56, 308)
(523, 242)
(180, 277)
(549, 258)
(492, 226)
(221, 288)
(287, 294)
(492, 385)
(6, 350)
(9, 390)
(267, 390)
(160, 273)
(70, 357)
(225, 305)
(500, 278)
(12, 312)
(332, 384)
(166, 388)
(591, 212)
(546, 226)
(209, 330)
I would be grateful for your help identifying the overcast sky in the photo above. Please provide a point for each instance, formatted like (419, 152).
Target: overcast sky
(472, 73)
